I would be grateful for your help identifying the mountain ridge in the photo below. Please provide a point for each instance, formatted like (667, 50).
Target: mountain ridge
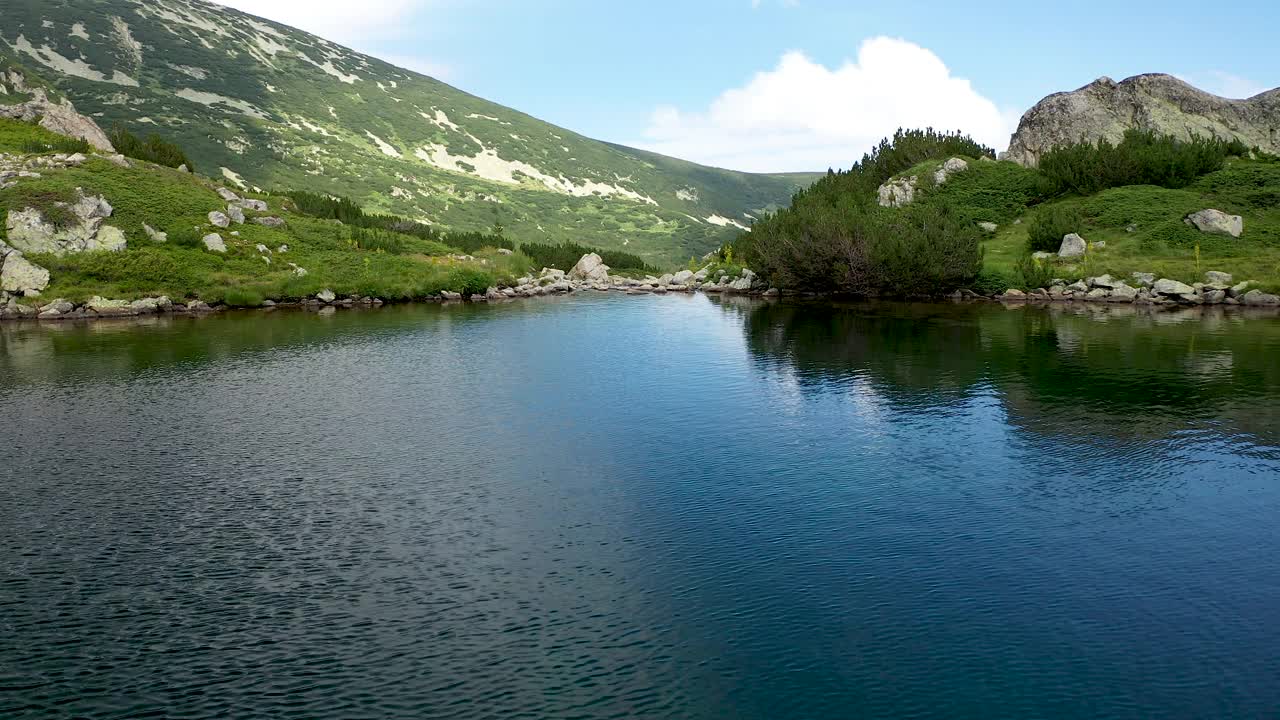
(265, 105)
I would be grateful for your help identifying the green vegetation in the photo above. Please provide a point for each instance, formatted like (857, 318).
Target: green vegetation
(154, 149)
(1128, 200)
(835, 237)
(565, 255)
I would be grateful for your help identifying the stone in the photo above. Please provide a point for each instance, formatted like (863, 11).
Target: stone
(269, 221)
(1072, 246)
(447, 295)
(251, 204)
(1078, 286)
(1105, 281)
(236, 214)
(183, 168)
(1099, 245)
(105, 307)
(504, 251)
(590, 267)
(897, 193)
(198, 306)
(1217, 222)
(1123, 293)
(1163, 104)
(155, 235)
(989, 226)
(1213, 277)
(298, 271)
(1215, 297)
(148, 306)
(1257, 297)
(282, 249)
(1098, 294)
(213, 242)
(109, 238)
(228, 195)
(29, 231)
(60, 306)
(683, 277)
(19, 275)
(1165, 286)
(1145, 280)
(218, 219)
(326, 295)
(949, 168)
(1014, 294)
(1238, 290)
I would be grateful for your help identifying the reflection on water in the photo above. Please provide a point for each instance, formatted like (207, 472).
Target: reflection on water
(604, 506)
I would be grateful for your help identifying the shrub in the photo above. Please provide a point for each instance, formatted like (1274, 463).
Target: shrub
(565, 255)
(242, 297)
(1033, 273)
(468, 281)
(1050, 224)
(1141, 158)
(58, 144)
(154, 149)
(990, 282)
(332, 207)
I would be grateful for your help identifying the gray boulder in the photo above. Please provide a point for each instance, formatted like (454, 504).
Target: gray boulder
(213, 242)
(326, 295)
(1213, 277)
(269, 221)
(250, 204)
(1217, 222)
(898, 192)
(227, 195)
(1072, 246)
(155, 235)
(590, 268)
(19, 275)
(1145, 280)
(236, 214)
(218, 219)
(1257, 297)
(988, 226)
(1165, 286)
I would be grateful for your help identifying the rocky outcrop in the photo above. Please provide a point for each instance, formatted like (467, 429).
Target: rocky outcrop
(902, 191)
(19, 275)
(1217, 222)
(1159, 103)
(60, 118)
(30, 231)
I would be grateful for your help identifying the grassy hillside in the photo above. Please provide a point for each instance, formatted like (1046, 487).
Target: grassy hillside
(272, 107)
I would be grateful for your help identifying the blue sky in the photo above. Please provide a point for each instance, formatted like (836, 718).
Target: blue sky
(685, 77)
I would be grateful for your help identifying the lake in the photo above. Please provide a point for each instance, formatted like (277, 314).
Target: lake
(678, 506)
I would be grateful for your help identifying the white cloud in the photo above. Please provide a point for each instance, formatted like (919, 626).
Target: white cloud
(804, 116)
(1225, 84)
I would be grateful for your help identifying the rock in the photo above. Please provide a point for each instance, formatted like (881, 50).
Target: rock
(504, 251)
(28, 230)
(1099, 245)
(282, 249)
(989, 226)
(1257, 297)
(742, 284)
(1213, 277)
(60, 306)
(268, 303)
(198, 306)
(949, 168)
(1106, 281)
(183, 168)
(1145, 280)
(1165, 286)
(228, 195)
(148, 306)
(1078, 286)
(683, 277)
(218, 219)
(590, 268)
(236, 214)
(109, 238)
(1217, 222)
(269, 221)
(298, 271)
(1123, 293)
(1215, 297)
(1072, 246)
(1159, 103)
(105, 307)
(1013, 294)
(1097, 294)
(326, 295)
(1238, 290)
(447, 295)
(155, 235)
(60, 118)
(19, 275)
(250, 204)
(897, 193)
(213, 242)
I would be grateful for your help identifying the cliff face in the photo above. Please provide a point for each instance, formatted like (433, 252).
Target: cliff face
(1161, 103)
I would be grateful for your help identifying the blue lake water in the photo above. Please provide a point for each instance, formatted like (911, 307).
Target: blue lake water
(607, 506)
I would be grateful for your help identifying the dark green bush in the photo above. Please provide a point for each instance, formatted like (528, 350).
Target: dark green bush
(1050, 224)
(58, 145)
(331, 207)
(468, 281)
(243, 297)
(990, 282)
(565, 255)
(154, 149)
(1033, 273)
(1141, 158)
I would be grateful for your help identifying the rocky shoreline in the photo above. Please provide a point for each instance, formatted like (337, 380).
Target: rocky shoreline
(590, 274)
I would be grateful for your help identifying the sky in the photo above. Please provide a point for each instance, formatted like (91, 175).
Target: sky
(792, 85)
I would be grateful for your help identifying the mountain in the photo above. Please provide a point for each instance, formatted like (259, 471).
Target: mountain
(266, 106)
(1156, 102)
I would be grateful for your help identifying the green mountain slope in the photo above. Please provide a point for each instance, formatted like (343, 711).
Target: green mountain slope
(268, 106)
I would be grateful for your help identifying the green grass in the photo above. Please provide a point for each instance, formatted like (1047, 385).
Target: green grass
(20, 137)
(1161, 242)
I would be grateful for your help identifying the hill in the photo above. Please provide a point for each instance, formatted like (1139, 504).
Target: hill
(266, 106)
(1163, 104)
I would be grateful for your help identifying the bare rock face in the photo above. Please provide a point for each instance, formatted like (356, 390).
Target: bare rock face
(1216, 221)
(60, 118)
(591, 269)
(1156, 102)
(29, 230)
